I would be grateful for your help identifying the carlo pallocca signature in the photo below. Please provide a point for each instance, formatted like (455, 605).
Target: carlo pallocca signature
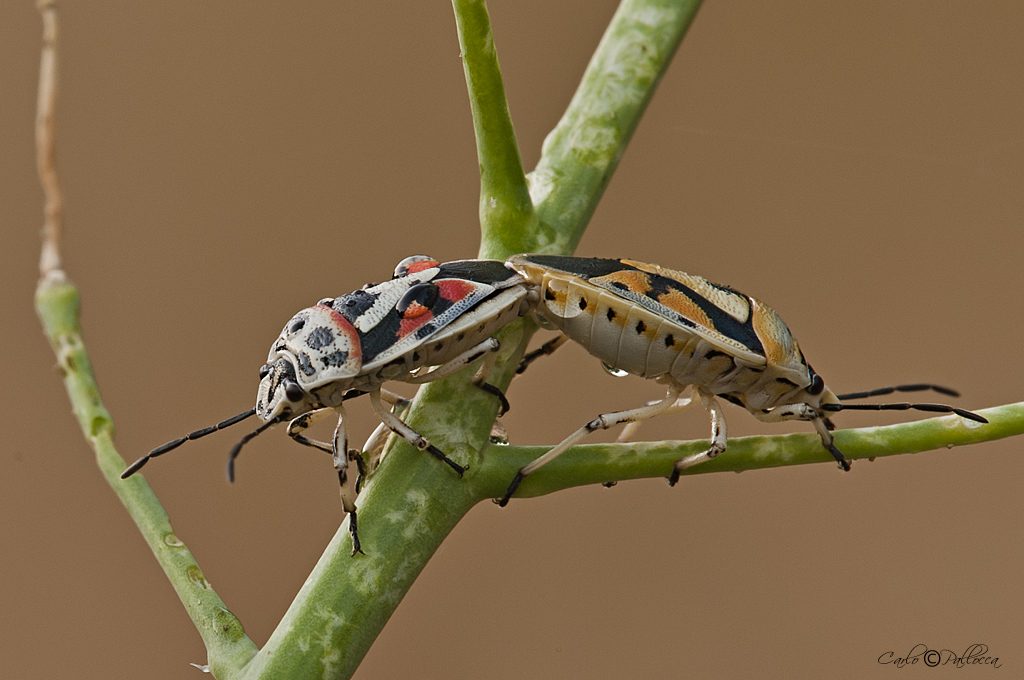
(975, 655)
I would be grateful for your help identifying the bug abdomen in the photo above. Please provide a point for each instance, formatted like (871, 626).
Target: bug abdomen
(621, 335)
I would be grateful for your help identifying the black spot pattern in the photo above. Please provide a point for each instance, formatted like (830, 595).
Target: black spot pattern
(335, 359)
(320, 337)
(305, 365)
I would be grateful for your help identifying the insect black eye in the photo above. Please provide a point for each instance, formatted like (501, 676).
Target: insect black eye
(264, 371)
(417, 300)
(817, 385)
(292, 391)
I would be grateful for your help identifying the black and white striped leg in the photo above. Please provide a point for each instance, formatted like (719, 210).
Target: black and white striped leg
(300, 423)
(718, 438)
(395, 424)
(348, 483)
(544, 350)
(602, 422)
(821, 425)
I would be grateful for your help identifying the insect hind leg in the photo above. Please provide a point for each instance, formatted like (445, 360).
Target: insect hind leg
(602, 422)
(546, 349)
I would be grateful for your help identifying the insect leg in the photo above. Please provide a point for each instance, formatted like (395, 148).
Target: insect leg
(602, 422)
(343, 458)
(718, 438)
(300, 423)
(488, 347)
(458, 363)
(630, 430)
(394, 398)
(410, 435)
(373, 447)
(805, 412)
(547, 348)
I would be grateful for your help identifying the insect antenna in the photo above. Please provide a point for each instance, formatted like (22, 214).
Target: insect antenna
(171, 445)
(904, 406)
(914, 387)
(245, 440)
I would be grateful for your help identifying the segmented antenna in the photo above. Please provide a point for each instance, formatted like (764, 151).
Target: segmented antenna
(904, 406)
(171, 445)
(913, 387)
(245, 440)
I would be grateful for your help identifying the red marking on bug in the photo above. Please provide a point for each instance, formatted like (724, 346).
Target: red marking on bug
(455, 290)
(347, 330)
(419, 266)
(408, 325)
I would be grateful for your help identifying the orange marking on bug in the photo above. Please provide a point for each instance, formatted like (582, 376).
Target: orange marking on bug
(454, 290)
(414, 310)
(354, 349)
(729, 301)
(637, 282)
(779, 345)
(408, 325)
(679, 302)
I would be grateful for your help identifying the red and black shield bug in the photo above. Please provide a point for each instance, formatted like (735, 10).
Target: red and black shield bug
(430, 315)
(690, 335)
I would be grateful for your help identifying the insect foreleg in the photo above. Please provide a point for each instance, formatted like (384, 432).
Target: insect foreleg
(488, 349)
(349, 484)
(602, 422)
(718, 438)
(806, 412)
(301, 423)
(410, 435)
(458, 363)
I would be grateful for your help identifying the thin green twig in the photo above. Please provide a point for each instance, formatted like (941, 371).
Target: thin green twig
(505, 207)
(599, 463)
(58, 304)
(584, 149)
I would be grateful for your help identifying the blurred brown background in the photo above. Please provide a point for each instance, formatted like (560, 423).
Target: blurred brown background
(857, 165)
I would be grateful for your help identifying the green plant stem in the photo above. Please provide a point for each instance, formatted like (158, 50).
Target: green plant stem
(599, 463)
(58, 303)
(505, 207)
(583, 150)
(347, 600)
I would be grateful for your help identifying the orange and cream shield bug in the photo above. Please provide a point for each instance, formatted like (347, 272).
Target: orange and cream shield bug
(703, 341)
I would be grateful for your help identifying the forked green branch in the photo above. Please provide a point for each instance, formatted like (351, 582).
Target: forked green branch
(411, 502)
